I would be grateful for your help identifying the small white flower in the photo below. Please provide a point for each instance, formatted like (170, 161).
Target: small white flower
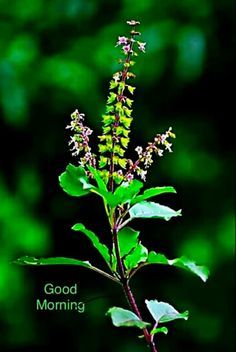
(141, 46)
(168, 146)
(143, 174)
(139, 150)
(116, 77)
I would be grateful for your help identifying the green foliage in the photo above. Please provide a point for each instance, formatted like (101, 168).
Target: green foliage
(183, 262)
(26, 260)
(128, 240)
(102, 249)
(126, 192)
(112, 176)
(163, 312)
(74, 181)
(152, 192)
(152, 210)
(138, 255)
(163, 330)
(124, 317)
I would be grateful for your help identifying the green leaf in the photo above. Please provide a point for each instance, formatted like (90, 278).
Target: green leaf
(152, 192)
(73, 180)
(163, 330)
(101, 184)
(152, 210)
(26, 260)
(190, 265)
(128, 239)
(163, 312)
(102, 248)
(125, 192)
(183, 262)
(124, 317)
(138, 255)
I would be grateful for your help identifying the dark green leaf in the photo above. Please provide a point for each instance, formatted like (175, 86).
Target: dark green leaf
(27, 260)
(183, 262)
(138, 255)
(125, 192)
(163, 312)
(101, 184)
(152, 210)
(102, 188)
(128, 239)
(102, 249)
(152, 192)
(74, 181)
(124, 317)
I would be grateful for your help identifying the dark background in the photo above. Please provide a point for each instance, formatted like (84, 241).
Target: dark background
(58, 55)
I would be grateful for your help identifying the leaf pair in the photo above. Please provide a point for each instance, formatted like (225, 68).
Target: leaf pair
(75, 182)
(135, 256)
(161, 312)
(132, 251)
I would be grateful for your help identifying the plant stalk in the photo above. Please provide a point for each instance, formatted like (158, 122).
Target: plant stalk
(128, 293)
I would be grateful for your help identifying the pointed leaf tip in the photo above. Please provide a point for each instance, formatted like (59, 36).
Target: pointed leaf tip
(183, 262)
(163, 312)
(27, 260)
(124, 317)
(152, 210)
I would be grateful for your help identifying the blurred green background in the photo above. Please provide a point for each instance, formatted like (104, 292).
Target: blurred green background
(59, 55)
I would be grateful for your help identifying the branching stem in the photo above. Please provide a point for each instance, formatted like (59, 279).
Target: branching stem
(128, 293)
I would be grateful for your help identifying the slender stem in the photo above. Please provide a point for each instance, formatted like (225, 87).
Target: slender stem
(129, 295)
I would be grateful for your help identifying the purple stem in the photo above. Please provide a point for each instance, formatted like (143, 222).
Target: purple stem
(127, 290)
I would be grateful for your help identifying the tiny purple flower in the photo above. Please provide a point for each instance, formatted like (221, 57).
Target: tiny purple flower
(126, 48)
(129, 177)
(122, 40)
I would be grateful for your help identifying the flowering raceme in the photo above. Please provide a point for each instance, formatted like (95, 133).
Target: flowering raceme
(113, 166)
